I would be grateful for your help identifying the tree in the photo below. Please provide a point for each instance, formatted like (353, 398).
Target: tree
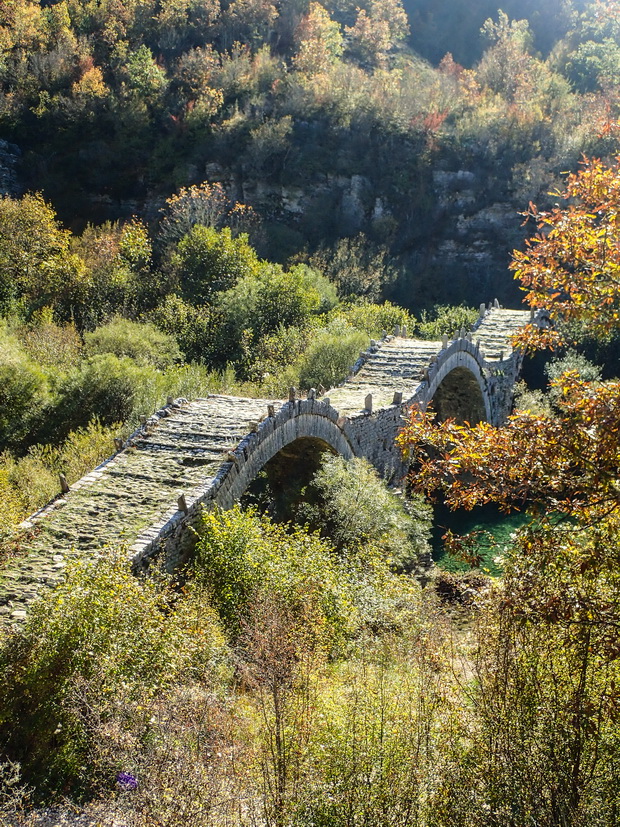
(508, 61)
(566, 464)
(205, 204)
(265, 301)
(185, 23)
(250, 22)
(208, 261)
(377, 31)
(25, 391)
(35, 261)
(572, 265)
(546, 702)
(319, 41)
(118, 278)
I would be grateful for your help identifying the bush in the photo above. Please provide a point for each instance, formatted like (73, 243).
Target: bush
(266, 302)
(357, 509)
(142, 342)
(357, 266)
(241, 556)
(32, 480)
(374, 749)
(573, 361)
(445, 318)
(313, 279)
(268, 360)
(330, 356)
(207, 261)
(192, 327)
(49, 344)
(112, 388)
(93, 654)
(25, 392)
(373, 319)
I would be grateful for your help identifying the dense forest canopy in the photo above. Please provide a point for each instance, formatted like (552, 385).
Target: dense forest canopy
(426, 128)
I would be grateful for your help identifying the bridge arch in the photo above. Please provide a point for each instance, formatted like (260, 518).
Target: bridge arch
(459, 389)
(250, 458)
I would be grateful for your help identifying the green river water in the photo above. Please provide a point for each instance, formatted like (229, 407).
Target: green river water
(484, 518)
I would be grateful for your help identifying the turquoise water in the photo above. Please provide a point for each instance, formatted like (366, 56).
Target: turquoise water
(484, 518)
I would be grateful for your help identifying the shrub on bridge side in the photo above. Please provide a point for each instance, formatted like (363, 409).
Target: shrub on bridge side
(33, 478)
(109, 387)
(356, 509)
(445, 318)
(373, 319)
(330, 356)
(242, 557)
(78, 685)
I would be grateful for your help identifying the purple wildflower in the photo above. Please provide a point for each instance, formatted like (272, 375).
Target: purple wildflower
(126, 781)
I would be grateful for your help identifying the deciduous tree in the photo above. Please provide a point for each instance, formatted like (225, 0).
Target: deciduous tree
(546, 700)
(572, 265)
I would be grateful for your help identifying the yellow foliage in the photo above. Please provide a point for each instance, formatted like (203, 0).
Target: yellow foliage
(90, 85)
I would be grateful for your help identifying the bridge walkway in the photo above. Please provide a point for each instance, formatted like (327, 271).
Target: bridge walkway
(180, 450)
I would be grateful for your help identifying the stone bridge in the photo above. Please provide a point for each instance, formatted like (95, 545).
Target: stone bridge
(190, 456)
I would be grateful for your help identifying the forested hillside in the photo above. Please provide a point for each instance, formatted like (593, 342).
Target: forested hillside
(234, 196)
(417, 130)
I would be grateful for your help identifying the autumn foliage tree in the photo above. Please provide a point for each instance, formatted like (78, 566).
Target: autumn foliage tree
(572, 264)
(547, 699)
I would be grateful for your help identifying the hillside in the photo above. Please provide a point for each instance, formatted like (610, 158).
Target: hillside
(327, 121)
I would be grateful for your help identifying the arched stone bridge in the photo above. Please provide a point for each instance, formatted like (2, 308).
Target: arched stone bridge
(193, 455)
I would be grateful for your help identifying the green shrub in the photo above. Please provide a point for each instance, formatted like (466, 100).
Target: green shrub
(92, 655)
(573, 361)
(330, 356)
(373, 319)
(207, 261)
(269, 359)
(25, 392)
(142, 342)
(445, 318)
(314, 279)
(13, 508)
(357, 509)
(192, 327)
(357, 266)
(111, 388)
(261, 304)
(35, 475)
(241, 556)
(374, 748)
(50, 344)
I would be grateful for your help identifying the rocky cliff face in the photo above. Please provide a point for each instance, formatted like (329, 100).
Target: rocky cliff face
(451, 232)
(9, 156)
(453, 243)
(468, 249)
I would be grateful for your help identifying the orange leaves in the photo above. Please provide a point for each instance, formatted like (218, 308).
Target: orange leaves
(568, 464)
(572, 267)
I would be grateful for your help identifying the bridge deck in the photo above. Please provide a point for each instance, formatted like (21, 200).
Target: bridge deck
(135, 489)
(183, 448)
(397, 365)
